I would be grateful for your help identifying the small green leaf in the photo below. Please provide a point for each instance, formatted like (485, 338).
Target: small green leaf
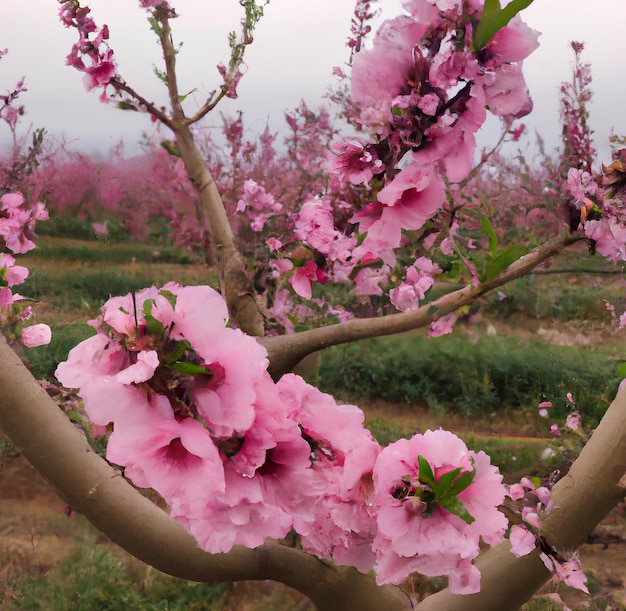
(445, 481)
(456, 507)
(169, 296)
(189, 369)
(153, 326)
(179, 351)
(491, 234)
(123, 105)
(171, 147)
(504, 258)
(146, 308)
(462, 482)
(621, 371)
(432, 310)
(398, 112)
(493, 19)
(426, 475)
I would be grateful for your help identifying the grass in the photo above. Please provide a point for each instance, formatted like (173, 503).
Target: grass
(473, 378)
(93, 578)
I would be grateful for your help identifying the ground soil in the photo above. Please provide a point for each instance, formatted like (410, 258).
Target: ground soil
(37, 532)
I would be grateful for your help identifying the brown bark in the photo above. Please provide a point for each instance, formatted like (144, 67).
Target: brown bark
(238, 291)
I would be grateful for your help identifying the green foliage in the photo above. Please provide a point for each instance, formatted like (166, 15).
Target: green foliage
(93, 579)
(510, 454)
(551, 296)
(494, 18)
(472, 378)
(111, 253)
(386, 431)
(43, 360)
(80, 229)
(79, 287)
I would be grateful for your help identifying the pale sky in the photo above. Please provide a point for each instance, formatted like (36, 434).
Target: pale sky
(296, 45)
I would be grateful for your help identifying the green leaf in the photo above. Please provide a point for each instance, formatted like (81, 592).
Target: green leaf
(146, 308)
(169, 296)
(397, 111)
(621, 371)
(171, 147)
(491, 234)
(123, 105)
(462, 482)
(493, 19)
(426, 475)
(153, 326)
(183, 97)
(189, 369)
(503, 259)
(456, 507)
(445, 482)
(179, 351)
(432, 310)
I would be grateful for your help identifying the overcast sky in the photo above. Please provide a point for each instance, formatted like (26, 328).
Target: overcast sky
(296, 45)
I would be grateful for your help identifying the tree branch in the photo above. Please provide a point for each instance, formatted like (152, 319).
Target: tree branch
(286, 351)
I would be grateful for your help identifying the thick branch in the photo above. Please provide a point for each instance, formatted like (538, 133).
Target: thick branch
(238, 290)
(595, 483)
(286, 351)
(42, 433)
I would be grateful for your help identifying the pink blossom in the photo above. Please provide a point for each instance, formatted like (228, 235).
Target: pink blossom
(315, 226)
(368, 280)
(573, 421)
(355, 160)
(343, 453)
(522, 541)
(610, 238)
(406, 541)
(419, 278)
(36, 335)
(507, 95)
(100, 228)
(274, 244)
(408, 202)
(442, 326)
(514, 42)
(516, 492)
(572, 574)
(301, 280)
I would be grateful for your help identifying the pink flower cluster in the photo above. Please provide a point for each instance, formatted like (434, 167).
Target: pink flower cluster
(17, 224)
(239, 458)
(422, 91)
(258, 204)
(101, 67)
(420, 528)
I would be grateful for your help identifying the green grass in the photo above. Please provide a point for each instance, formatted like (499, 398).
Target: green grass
(43, 360)
(94, 579)
(477, 378)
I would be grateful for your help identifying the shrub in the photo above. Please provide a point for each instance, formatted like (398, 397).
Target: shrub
(471, 378)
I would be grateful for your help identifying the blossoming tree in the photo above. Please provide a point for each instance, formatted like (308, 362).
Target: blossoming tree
(200, 405)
